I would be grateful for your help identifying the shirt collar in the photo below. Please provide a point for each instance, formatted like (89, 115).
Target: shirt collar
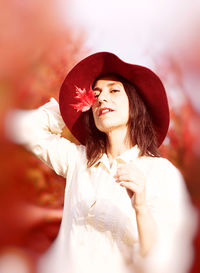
(129, 155)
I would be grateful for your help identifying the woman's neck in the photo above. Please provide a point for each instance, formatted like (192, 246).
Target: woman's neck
(118, 142)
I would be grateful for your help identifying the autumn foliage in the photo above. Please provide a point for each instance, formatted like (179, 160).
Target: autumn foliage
(37, 51)
(85, 99)
(182, 145)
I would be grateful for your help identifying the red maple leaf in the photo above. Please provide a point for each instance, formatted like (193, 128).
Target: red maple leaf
(86, 99)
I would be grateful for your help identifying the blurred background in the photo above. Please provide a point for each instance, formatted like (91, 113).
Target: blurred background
(39, 43)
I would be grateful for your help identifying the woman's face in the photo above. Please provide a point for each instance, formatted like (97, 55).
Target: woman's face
(111, 109)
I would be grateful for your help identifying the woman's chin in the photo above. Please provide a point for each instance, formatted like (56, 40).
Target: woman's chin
(105, 128)
(108, 127)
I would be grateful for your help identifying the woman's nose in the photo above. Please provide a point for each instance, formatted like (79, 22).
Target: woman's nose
(102, 97)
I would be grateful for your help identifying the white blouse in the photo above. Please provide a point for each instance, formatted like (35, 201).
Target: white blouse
(98, 232)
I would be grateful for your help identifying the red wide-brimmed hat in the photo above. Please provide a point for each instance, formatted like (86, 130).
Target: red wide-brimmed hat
(83, 75)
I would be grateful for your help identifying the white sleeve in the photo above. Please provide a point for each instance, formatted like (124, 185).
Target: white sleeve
(176, 222)
(39, 130)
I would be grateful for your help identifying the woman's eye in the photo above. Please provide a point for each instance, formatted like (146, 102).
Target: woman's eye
(96, 94)
(115, 90)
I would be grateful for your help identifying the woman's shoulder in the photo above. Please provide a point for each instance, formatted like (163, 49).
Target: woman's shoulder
(159, 163)
(81, 149)
(168, 175)
(81, 156)
(162, 171)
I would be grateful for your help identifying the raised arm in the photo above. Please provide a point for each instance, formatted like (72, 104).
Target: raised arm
(39, 130)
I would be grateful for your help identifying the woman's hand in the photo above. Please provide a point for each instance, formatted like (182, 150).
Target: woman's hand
(130, 177)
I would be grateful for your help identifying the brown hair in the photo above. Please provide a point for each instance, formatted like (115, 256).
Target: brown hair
(140, 125)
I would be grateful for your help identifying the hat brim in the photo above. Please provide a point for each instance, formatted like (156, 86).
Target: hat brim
(146, 82)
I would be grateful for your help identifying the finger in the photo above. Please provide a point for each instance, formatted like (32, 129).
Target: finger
(124, 171)
(118, 175)
(121, 171)
(129, 186)
(121, 178)
(123, 168)
(127, 178)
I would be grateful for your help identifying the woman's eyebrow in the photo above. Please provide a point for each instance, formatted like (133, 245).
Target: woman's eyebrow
(97, 89)
(110, 84)
(114, 83)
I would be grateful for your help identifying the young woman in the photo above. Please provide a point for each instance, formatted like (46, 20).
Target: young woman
(126, 208)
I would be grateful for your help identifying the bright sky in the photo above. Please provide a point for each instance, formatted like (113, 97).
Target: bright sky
(134, 28)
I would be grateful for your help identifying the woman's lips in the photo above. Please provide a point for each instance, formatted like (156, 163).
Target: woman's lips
(104, 111)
